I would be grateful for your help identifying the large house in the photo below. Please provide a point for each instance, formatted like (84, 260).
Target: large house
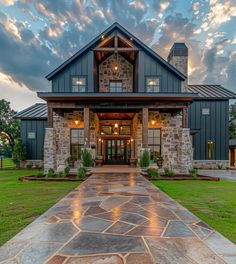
(116, 97)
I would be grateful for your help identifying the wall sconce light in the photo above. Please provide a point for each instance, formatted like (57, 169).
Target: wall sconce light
(99, 139)
(76, 122)
(131, 139)
(116, 125)
(115, 68)
(153, 122)
(102, 133)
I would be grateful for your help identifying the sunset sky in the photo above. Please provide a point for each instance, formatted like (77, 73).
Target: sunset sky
(37, 36)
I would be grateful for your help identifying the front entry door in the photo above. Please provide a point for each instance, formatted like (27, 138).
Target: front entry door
(116, 151)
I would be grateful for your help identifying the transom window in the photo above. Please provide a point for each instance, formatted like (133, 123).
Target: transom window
(154, 141)
(78, 84)
(115, 86)
(77, 142)
(153, 84)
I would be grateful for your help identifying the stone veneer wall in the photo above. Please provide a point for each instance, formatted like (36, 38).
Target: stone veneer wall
(124, 73)
(210, 164)
(49, 149)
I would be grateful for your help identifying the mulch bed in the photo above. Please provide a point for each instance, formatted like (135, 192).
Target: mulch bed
(181, 177)
(67, 178)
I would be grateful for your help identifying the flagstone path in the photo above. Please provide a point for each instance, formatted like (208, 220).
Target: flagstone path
(114, 219)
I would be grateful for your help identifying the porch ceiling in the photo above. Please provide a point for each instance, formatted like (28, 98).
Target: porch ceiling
(115, 116)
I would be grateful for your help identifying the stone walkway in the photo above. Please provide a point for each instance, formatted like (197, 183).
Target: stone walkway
(114, 219)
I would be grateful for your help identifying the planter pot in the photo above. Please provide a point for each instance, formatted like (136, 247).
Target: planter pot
(133, 162)
(98, 162)
(160, 163)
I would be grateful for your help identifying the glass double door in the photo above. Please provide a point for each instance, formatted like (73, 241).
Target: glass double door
(116, 151)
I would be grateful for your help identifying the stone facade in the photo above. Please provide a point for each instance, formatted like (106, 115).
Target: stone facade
(49, 149)
(211, 164)
(124, 73)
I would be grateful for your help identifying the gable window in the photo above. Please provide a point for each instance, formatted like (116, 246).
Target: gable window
(77, 142)
(78, 84)
(205, 111)
(115, 86)
(153, 84)
(154, 141)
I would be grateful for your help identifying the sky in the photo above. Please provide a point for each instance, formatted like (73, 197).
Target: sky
(37, 36)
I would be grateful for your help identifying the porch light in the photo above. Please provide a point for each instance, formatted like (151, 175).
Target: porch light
(131, 139)
(153, 122)
(116, 125)
(76, 122)
(116, 68)
(102, 133)
(99, 139)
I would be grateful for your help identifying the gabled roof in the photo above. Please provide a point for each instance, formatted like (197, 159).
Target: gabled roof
(108, 31)
(211, 91)
(36, 111)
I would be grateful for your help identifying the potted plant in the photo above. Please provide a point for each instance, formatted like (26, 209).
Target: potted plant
(144, 159)
(99, 160)
(87, 158)
(159, 160)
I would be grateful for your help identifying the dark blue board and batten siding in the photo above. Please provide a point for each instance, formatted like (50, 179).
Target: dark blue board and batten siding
(147, 66)
(210, 127)
(83, 66)
(34, 147)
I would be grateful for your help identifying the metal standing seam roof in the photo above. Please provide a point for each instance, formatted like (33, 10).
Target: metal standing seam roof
(211, 91)
(36, 111)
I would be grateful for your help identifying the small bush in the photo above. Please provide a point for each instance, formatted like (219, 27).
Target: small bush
(86, 158)
(144, 159)
(81, 173)
(154, 173)
(40, 174)
(66, 171)
(19, 153)
(220, 166)
(168, 172)
(193, 172)
(50, 173)
(61, 174)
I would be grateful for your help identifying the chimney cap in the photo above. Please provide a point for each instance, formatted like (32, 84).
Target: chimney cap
(178, 49)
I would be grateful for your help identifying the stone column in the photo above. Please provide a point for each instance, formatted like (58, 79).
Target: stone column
(145, 128)
(50, 117)
(185, 118)
(49, 149)
(86, 128)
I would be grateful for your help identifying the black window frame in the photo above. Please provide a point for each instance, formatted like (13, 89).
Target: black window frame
(115, 81)
(76, 144)
(152, 77)
(150, 146)
(84, 85)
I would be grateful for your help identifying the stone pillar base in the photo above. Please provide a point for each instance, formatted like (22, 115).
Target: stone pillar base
(49, 150)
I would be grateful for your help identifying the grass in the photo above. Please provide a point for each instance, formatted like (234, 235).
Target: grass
(213, 202)
(22, 202)
(7, 163)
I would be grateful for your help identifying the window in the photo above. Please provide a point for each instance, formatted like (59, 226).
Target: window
(78, 84)
(115, 86)
(76, 141)
(205, 111)
(154, 141)
(31, 135)
(210, 149)
(153, 84)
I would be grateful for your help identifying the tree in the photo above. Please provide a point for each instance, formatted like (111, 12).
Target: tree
(9, 126)
(19, 153)
(232, 121)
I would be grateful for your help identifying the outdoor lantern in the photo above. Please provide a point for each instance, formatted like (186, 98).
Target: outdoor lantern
(116, 125)
(153, 122)
(76, 122)
(116, 68)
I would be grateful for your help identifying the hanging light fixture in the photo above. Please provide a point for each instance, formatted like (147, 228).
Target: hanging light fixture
(153, 122)
(76, 122)
(116, 67)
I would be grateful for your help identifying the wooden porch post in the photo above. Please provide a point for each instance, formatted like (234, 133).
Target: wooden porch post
(86, 128)
(145, 127)
(50, 117)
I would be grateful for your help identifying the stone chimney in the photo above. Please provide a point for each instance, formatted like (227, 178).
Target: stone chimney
(178, 57)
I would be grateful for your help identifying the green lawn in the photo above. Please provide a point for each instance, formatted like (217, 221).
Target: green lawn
(22, 202)
(7, 163)
(213, 202)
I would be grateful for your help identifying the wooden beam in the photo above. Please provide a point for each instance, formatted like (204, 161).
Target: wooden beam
(115, 49)
(145, 127)
(50, 117)
(86, 128)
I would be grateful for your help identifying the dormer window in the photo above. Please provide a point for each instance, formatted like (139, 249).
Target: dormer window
(115, 86)
(153, 84)
(78, 84)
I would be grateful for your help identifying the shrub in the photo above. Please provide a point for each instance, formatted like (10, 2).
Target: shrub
(66, 171)
(19, 153)
(154, 173)
(40, 174)
(193, 172)
(144, 159)
(50, 173)
(61, 174)
(168, 172)
(87, 159)
(81, 173)
(220, 166)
